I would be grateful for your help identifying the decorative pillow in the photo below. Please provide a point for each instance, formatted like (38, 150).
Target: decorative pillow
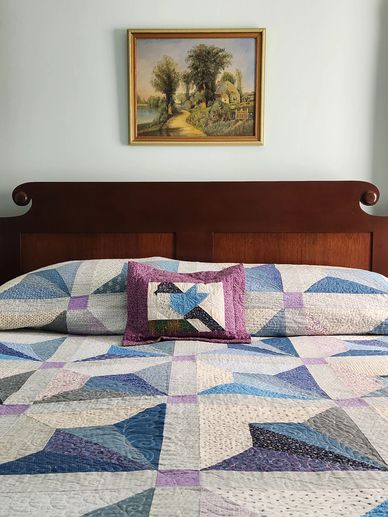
(206, 305)
(78, 297)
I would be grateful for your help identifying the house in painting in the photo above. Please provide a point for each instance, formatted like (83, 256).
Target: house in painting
(249, 97)
(226, 92)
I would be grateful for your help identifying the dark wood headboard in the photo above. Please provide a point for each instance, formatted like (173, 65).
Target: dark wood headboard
(303, 222)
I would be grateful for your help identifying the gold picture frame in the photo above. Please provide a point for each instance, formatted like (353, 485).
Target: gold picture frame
(197, 86)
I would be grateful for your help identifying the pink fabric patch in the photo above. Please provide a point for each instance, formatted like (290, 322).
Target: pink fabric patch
(78, 303)
(313, 360)
(46, 366)
(182, 399)
(293, 300)
(13, 409)
(351, 402)
(183, 358)
(233, 284)
(64, 380)
(178, 478)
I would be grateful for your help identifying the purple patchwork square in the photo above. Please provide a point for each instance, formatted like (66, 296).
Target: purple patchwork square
(183, 358)
(293, 300)
(182, 399)
(53, 364)
(78, 303)
(178, 478)
(351, 402)
(13, 409)
(313, 360)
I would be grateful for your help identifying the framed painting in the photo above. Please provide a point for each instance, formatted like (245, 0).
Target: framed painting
(196, 86)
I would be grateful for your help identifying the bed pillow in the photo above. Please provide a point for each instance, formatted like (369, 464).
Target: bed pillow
(77, 297)
(206, 305)
(297, 300)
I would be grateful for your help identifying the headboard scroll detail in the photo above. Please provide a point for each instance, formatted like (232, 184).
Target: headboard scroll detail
(20, 197)
(370, 197)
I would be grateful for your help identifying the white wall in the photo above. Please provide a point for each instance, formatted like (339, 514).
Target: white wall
(63, 105)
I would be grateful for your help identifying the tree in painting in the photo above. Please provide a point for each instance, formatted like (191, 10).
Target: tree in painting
(187, 81)
(205, 62)
(165, 80)
(228, 76)
(239, 82)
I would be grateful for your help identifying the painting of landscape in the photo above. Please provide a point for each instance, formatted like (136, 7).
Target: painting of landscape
(194, 89)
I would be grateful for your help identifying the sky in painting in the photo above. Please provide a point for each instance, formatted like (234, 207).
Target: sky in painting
(150, 51)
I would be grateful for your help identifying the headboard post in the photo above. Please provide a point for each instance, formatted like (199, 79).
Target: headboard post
(9, 255)
(380, 251)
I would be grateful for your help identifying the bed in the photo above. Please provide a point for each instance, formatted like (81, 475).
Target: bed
(290, 424)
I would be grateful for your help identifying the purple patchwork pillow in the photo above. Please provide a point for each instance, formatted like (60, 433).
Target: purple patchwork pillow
(208, 305)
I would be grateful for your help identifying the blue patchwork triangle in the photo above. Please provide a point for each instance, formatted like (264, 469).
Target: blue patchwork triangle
(165, 265)
(73, 450)
(338, 285)
(302, 378)
(244, 389)
(382, 328)
(45, 349)
(303, 433)
(379, 511)
(14, 351)
(53, 463)
(126, 383)
(116, 284)
(36, 286)
(68, 272)
(145, 432)
(52, 275)
(120, 351)
(183, 303)
(283, 344)
(364, 347)
(110, 438)
(263, 278)
(272, 384)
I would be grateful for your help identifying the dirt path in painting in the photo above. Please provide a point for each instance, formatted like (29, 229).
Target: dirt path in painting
(178, 125)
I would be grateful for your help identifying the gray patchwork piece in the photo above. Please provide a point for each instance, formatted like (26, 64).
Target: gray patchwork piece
(59, 324)
(158, 376)
(335, 423)
(82, 394)
(135, 506)
(12, 384)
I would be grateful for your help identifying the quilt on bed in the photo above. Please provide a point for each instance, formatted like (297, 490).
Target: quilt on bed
(282, 426)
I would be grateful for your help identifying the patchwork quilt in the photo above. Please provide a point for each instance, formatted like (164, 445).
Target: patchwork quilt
(284, 426)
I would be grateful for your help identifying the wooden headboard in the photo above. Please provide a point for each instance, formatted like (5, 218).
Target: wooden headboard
(303, 222)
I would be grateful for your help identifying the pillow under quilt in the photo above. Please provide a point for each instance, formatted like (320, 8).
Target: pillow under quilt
(89, 297)
(78, 297)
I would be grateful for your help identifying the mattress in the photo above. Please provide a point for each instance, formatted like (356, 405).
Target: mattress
(282, 426)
